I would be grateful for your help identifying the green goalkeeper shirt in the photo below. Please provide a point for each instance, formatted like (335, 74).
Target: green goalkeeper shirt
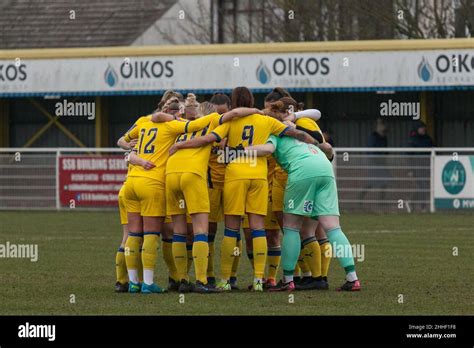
(300, 160)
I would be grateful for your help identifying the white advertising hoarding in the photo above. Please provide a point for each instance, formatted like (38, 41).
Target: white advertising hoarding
(397, 70)
(454, 182)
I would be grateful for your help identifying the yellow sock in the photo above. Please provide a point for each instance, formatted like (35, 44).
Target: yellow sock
(273, 261)
(189, 253)
(200, 253)
(151, 241)
(313, 256)
(303, 265)
(297, 272)
(259, 246)
(132, 255)
(169, 260)
(326, 255)
(210, 261)
(121, 266)
(235, 264)
(229, 242)
(180, 256)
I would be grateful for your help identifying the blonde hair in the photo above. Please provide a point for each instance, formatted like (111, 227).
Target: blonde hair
(167, 96)
(206, 108)
(191, 101)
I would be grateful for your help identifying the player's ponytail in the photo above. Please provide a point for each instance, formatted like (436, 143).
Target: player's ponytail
(191, 101)
(277, 106)
(284, 104)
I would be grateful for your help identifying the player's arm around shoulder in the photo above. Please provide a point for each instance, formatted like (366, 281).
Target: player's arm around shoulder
(194, 143)
(197, 124)
(126, 145)
(328, 150)
(159, 117)
(134, 159)
(238, 112)
(260, 150)
(215, 136)
(299, 134)
(263, 149)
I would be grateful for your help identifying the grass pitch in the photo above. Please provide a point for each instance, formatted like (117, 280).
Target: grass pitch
(409, 255)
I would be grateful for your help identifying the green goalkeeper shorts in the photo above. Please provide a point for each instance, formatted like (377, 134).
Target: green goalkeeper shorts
(312, 197)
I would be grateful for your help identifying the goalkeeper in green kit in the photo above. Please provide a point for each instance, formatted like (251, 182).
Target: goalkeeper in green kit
(310, 197)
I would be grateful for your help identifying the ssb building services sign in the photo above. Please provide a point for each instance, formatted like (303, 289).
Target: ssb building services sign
(454, 182)
(86, 181)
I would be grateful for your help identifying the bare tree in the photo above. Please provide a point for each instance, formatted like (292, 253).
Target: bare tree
(325, 20)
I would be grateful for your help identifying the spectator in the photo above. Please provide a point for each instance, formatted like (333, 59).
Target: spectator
(377, 172)
(418, 136)
(378, 138)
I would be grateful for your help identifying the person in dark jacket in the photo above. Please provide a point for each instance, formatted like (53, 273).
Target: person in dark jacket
(378, 138)
(419, 137)
(376, 162)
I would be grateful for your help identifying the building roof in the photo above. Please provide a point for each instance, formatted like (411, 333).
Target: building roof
(50, 23)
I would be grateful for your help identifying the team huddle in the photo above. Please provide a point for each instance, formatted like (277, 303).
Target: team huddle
(193, 165)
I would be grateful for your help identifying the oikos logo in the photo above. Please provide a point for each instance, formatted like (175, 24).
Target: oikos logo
(293, 67)
(139, 70)
(453, 177)
(13, 72)
(460, 63)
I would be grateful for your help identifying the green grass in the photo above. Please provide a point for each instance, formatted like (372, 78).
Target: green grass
(404, 254)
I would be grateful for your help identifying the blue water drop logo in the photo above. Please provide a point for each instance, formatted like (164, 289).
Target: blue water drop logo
(110, 76)
(425, 72)
(263, 73)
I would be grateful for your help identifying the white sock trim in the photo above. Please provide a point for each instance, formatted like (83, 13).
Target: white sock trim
(133, 276)
(351, 276)
(148, 276)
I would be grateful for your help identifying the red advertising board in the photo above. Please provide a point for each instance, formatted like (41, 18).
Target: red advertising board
(91, 181)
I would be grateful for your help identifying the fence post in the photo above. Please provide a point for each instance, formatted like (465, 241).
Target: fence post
(432, 180)
(58, 202)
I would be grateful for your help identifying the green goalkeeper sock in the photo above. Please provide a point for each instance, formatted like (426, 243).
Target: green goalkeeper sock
(290, 251)
(342, 249)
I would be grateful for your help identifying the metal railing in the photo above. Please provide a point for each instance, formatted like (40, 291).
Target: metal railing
(378, 180)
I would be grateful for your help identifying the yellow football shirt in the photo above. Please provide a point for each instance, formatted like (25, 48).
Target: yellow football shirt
(155, 140)
(216, 172)
(138, 122)
(309, 124)
(194, 160)
(249, 130)
(127, 138)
